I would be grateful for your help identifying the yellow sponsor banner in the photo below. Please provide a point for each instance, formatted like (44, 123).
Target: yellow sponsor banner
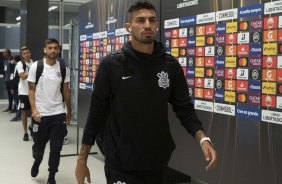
(175, 52)
(229, 96)
(231, 27)
(230, 62)
(84, 73)
(269, 88)
(270, 49)
(200, 41)
(200, 72)
(105, 41)
(94, 49)
(94, 68)
(84, 56)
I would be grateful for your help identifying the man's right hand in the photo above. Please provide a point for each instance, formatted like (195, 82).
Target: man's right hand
(82, 171)
(36, 115)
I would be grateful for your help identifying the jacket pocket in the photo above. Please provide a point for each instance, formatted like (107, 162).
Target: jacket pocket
(144, 149)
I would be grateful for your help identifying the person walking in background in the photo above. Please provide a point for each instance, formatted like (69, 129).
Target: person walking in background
(14, 88)
(48, 108)
(138, 142)
(8, 76)
(23, 70)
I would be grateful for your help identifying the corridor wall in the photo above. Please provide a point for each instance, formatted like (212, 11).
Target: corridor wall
(231, 54)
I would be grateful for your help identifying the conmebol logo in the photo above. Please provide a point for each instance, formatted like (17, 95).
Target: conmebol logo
(171, 23)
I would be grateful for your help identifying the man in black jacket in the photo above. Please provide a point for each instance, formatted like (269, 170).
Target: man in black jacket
(138, 142)
(8, 70)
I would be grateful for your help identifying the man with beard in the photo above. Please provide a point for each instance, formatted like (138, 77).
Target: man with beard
(138, 142)
(48, 98)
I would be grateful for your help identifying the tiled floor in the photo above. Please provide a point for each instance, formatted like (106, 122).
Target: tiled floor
(16, 159)
(16, 156)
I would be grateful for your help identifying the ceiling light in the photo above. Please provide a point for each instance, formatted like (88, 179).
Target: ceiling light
(52, 8)
(18, 18)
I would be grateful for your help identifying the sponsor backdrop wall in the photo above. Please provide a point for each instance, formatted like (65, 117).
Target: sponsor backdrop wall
(231, 54)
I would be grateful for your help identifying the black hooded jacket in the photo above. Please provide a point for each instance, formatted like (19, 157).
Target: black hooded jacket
(138, 137)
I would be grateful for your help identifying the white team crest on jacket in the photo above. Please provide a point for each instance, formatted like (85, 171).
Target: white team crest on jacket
(35, 128)
(163, 80)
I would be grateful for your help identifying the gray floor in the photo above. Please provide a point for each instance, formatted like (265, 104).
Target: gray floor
(16, 159)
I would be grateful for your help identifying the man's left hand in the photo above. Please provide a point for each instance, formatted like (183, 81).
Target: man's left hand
(210, 155)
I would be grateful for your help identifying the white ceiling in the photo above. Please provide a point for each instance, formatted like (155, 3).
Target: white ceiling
(69, 5)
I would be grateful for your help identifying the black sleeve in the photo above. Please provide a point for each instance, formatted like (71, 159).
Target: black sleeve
(99, 103)
(12, 68)
(182, 105)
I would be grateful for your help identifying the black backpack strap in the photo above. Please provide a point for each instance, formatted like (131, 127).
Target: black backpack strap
(171, 67)
(117, 68)
(63, 69)
(39, 70)
(24, 65)
(117, 64)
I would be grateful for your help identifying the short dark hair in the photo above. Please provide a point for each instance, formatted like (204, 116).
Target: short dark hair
(8, 51)
(17, 58)
(138, 5)
(50, 40)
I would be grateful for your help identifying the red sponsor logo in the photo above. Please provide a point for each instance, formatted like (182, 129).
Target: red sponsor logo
(182, 52)
(208, 94)
(209, 72)
(210, 29)
(200, 51)
(200, 61)
(242, 86)
(243, 50)
(270, 36)
(174, 43)
(209, 61)
(231, 50)
(231, 38)
(269, 75)
(175, 33)
(270, 22)
(184, 70)
(279, 75)
(279, 38)
(230, 85)
(209, 40)
(182, 42)
(199, 93)
(117, 41)
(230, 73)
(243, 61)
(269, 61)
(268, 101)
(199, 82)
(242, 98)
(200, 31)
(243, 26)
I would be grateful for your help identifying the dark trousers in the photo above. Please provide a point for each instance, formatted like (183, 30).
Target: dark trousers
(16, 100)
(116, 176)
(10, 97)
(51, 128)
